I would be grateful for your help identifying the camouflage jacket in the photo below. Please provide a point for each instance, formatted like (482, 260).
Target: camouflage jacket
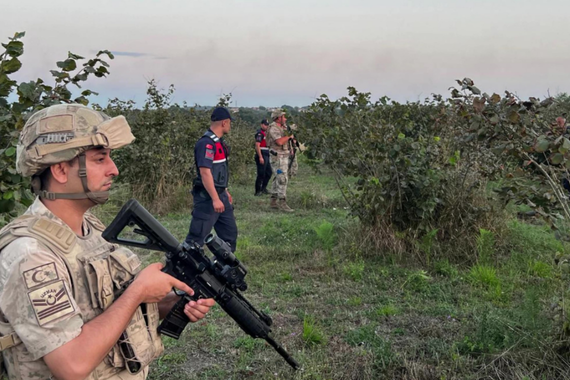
(53, 281)
(275, 132)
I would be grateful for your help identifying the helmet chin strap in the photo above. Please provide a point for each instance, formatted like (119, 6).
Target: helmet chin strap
(98, 197)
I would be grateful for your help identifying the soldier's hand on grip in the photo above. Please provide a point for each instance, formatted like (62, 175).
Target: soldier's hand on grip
(196, 310)
(153, 284)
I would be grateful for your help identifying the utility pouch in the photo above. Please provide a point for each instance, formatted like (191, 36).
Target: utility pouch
(140, 343)
(100, 284)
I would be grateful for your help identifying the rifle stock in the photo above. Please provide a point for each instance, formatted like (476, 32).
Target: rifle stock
(220, 278)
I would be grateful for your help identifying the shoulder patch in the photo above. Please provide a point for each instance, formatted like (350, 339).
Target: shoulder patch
(209, 146)
(51, 302)
(40, 275)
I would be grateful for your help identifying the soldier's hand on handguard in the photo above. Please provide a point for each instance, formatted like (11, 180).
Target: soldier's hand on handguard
(196, 310)
(218, 206)
(152, 285)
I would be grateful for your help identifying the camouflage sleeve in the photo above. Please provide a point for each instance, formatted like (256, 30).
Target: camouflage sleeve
(274, 133)
(36, 297)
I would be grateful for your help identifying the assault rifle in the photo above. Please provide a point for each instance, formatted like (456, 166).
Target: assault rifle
(220, 277)
(293, 145)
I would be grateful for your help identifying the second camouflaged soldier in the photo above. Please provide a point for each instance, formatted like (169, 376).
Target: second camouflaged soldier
(278, 143)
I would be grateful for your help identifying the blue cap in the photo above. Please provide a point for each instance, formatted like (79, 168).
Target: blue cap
(221, 113)
(264, 122)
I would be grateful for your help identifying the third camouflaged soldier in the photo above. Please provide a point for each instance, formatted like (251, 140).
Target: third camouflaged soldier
(278, 143)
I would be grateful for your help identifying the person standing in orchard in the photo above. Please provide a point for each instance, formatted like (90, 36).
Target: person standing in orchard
(262, 160)
(72, 305)
(279, 147)
(213, 204)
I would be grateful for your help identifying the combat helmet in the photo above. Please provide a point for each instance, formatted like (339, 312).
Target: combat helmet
(62, 132)
(277, 113)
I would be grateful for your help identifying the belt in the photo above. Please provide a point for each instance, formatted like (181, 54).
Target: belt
(219, 190)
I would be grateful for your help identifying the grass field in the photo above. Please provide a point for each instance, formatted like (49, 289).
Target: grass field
(346, 312)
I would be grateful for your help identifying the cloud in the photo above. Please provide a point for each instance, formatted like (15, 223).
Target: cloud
(130, 54)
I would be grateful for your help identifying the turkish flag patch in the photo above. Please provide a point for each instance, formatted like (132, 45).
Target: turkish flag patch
(209, 154)
(209, 146)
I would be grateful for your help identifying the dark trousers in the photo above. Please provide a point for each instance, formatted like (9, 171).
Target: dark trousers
(263, 171)
(204, 218)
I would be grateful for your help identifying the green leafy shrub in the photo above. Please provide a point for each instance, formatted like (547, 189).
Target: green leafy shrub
(386, 311)
(484, 275)
(312, 333)
(539, 269)
(355, 269)
(445, 268)
(485, 245)
(326, 235)
(413, 174)
(417, 280)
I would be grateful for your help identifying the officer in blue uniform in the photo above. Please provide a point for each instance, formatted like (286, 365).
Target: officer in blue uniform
(262, 160)
(212, 201)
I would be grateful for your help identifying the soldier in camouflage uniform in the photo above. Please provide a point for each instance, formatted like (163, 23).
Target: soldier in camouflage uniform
(60, 311)
(280, 152)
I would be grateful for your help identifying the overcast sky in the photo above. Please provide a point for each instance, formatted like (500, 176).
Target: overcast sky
(287, 52)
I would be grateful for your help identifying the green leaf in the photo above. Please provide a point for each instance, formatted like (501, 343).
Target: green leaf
(67, 65)
(495, 98)
(6, 88)
(10, 151)
(81, 100)
(11, 66)
(18, 35)
(14, 48)
(59, 75)
(70, 55)
(107, 52)
(479, 104)
(514, 117)
(455, 158)
(89, 92)
(27, 90)
(80, 77)
(541, 145)
(101, 71)
(565, 147)
(474, 90)
(556, 158)
(8, 195)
